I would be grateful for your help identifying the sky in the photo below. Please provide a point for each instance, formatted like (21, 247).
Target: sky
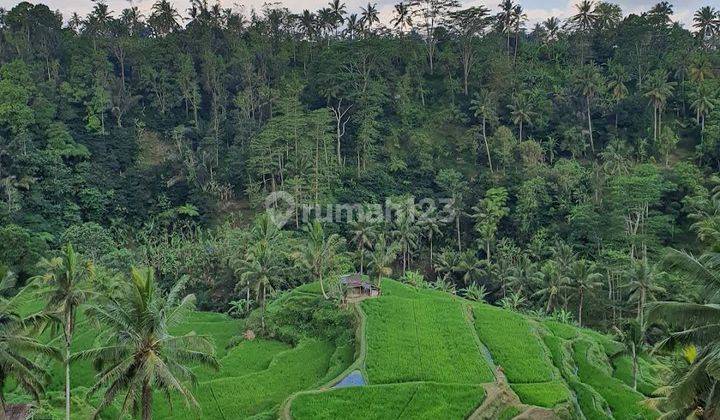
(537, 10)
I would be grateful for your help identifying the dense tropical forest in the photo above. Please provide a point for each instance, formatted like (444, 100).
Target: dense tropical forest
(574, 262)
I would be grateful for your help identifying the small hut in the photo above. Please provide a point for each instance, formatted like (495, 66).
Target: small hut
(355, 286)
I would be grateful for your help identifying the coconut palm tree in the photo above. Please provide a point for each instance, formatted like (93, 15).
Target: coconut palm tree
(505, 20)
(469, 267)
(17, 346)
(696, 324)
(632, 334)
(584, 21)
(337, 9)
(362, 233)
(584, 278)
(261, 270)
(140, 356)
(588, 82)
(369, 15)
(521, 112)
(618, 77)
(484, 107)
(642, 285)
(429, 225)
(319, 252)
(403, 17)
(447, 263)
(703, 103)
(552, 29)
(407, 235)
(354, 25)
(307, 24)
(707, 22)
(658, 91)
(382, 259)
(554, 282)
(68, 278)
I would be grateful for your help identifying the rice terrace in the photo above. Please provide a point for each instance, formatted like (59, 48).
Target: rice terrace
(363, 210)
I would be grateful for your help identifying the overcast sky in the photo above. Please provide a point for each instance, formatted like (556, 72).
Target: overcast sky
(537, 10)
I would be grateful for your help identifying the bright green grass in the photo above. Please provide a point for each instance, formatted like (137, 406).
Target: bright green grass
(247, 357)
(544, 394)
(514, 345)
(646, 381)
(623, 401)
(421, 340)
(397, 289)
(258, 392)
(389, 402)
(592, 404)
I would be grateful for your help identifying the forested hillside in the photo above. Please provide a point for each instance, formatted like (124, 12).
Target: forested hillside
(566, 169)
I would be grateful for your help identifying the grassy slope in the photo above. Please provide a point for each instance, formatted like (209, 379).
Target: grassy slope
(419, 340)
(392, 401)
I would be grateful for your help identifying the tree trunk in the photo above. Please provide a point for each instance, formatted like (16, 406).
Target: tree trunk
(521, 130)
(590, 129)
(580, 307)
(262, 310)
(487, 146)
(634, 366)
(487, 251)
(431, 249)
(68, 343)
(322, 286)
(361, 249)
(147, 397)
(457, 228)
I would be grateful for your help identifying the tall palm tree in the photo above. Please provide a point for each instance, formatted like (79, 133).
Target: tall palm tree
(584, 278)
(429, 226)
(505, 20)
(707, 22)
(552, 29)
(703, 103)
(521, 112)
(484, 106)
(140, 356)
(320, 252)
(362, 234)
(642, 285)
(307, 24)
(261, 270)
(470, 267)
(632, 334)
(588, 82)
(403, 17)
(164, 18)
(446, 263)
(382, 259)
(694, 324)
(407, 235)
(617, 86)
(369, 15)
(17, 346)
(68, 278)
(518, 18)
(554, 283)
(353, 26)
(337, 8)
(584, 21)
(658, 91)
